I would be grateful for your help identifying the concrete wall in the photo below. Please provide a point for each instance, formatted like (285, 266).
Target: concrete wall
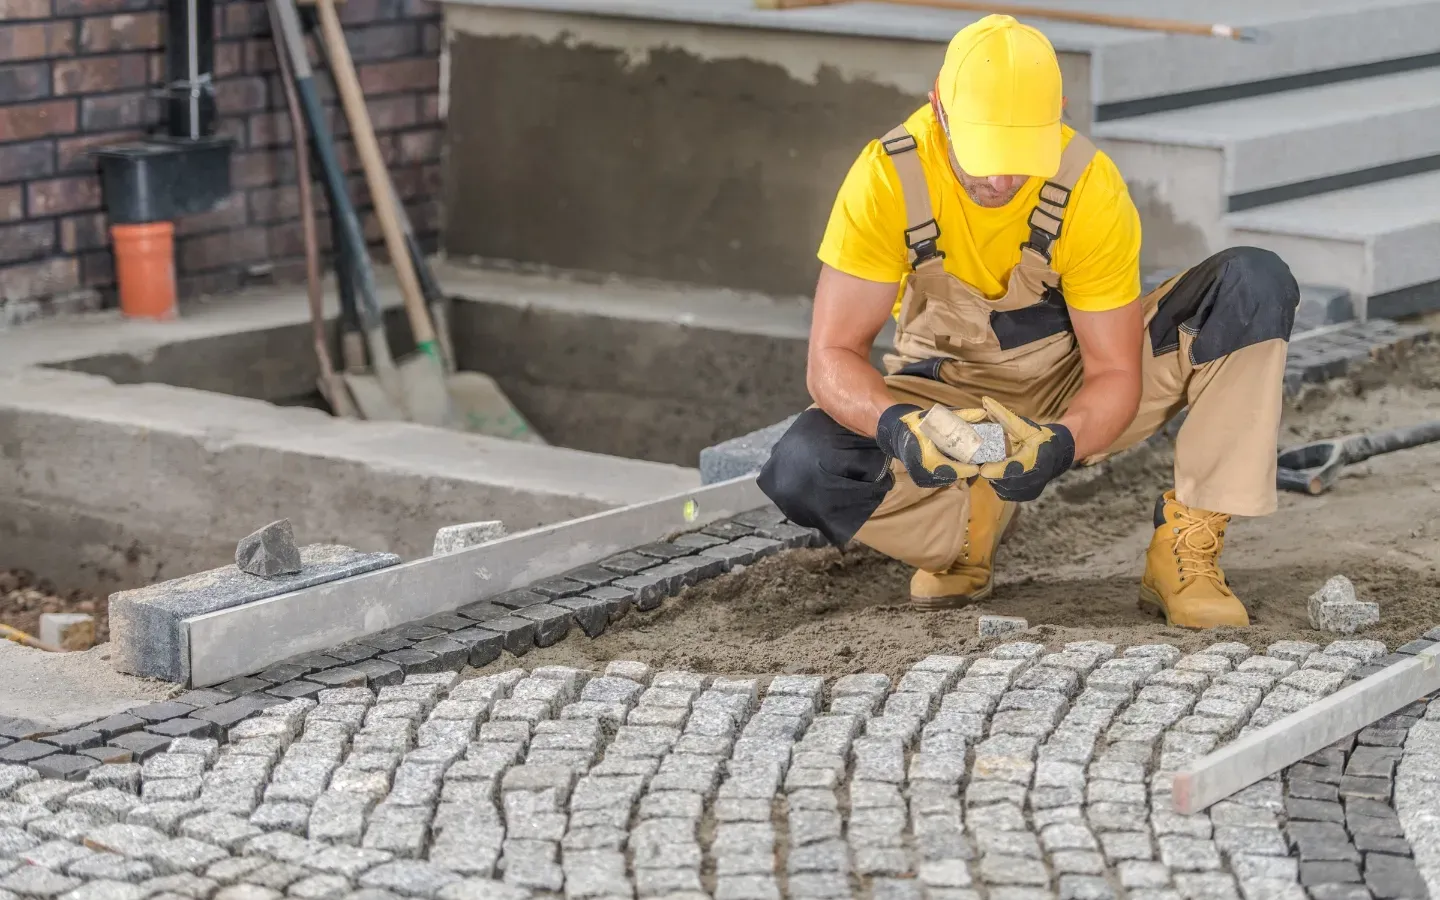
(618, 367)
(690, 153)
(105, 487)
(646, 389)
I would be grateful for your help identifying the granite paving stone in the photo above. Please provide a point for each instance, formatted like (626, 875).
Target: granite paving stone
(1029, 770)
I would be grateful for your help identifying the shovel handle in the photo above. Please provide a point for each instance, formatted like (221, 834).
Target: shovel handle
(1141, 23)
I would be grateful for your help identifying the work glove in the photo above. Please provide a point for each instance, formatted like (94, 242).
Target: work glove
(899, 436)
(1038, 453)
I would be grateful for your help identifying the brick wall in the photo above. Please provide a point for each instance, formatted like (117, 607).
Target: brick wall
(80, 74)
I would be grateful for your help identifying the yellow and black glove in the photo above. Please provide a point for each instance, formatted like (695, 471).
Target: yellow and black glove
(1038, 453)
(899, 436)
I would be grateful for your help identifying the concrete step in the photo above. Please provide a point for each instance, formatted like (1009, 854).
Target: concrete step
(1377, 241)
(1130, 72)
(1187, 168)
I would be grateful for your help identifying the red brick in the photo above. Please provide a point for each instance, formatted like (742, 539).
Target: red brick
(260, 56)
(420, 146)
(240, 95)
(101, 74)
(269, 129)
(117, 112)
(157, 68)
(121, 31)
(390, 40)
(410, 181)
(34, 120)
(222, 250)
(223, 281)
(12, 202)
(243, 18)
(229, 58)
(42, 278)
(57, 196)
(433, 179)
(94, 7)
(275, 204)
(288, 240)
(74, 153)
(20, 162)
(425, 215)
(88, 231)
(24, 9)
(96, 268)
(421, 9)
(228, 214)
(401, 75)
(262, 168)
(234, 129)
(361, 12)
(30, 81)
(391, 113)
(288, 271)
(36, 41)
(431, 39)
(430, 108)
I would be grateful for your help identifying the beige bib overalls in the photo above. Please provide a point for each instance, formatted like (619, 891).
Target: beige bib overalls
(1215, 341)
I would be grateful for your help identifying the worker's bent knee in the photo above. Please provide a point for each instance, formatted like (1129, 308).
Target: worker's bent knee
(822, 475)
(1238, 297)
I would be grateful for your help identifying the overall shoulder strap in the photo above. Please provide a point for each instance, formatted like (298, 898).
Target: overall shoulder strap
(1049, 212)
(921, 232)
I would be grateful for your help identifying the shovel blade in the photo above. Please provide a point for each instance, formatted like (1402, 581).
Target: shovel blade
(480, 407)
(371, 399)
(426, 398)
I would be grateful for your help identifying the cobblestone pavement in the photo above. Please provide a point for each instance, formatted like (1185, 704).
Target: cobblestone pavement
(1021, 774)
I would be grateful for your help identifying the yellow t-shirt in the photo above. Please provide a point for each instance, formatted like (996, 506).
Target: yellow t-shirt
(1097, 254)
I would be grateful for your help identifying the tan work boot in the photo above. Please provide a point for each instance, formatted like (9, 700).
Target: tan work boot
(1183, 580)
(968, 578)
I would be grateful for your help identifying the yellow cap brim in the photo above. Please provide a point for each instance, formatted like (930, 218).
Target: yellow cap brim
(985, 150)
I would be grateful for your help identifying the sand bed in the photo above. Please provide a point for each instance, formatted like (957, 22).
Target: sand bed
(1074, 565)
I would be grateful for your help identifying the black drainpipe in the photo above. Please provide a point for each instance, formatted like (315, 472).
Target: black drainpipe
(189, 67)
(186, 170)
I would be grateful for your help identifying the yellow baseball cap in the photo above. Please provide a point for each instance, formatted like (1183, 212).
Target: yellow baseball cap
(1001, 93)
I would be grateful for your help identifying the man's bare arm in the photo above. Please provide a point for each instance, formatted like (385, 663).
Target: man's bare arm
(1110, 346)
(849, 313)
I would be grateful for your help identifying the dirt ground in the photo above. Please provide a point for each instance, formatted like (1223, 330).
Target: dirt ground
(1073, 567)
(24, 596)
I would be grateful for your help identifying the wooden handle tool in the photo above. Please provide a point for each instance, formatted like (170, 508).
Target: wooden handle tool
(1142, 23)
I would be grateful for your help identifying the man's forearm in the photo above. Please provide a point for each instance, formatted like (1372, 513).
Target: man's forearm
(849, 388)
(1101, 411)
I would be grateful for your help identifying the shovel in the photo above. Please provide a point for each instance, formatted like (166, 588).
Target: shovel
(379, 396)
(1168, 26)
(1312, 468)
(477, 404)
(422, 375)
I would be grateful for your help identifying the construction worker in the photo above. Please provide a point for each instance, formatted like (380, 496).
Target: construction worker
(1006, 248)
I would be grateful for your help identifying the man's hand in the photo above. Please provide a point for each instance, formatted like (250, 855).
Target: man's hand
(899, 435)
(1038, 453)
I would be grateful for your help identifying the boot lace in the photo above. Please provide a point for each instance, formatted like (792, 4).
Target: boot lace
(1197, 544)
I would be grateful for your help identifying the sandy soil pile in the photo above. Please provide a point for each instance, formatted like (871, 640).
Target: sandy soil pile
(1074, 565)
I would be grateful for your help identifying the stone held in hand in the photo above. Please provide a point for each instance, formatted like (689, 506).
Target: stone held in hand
(269, 552)
(1336, 609)
(978, 443)
(996, 626)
